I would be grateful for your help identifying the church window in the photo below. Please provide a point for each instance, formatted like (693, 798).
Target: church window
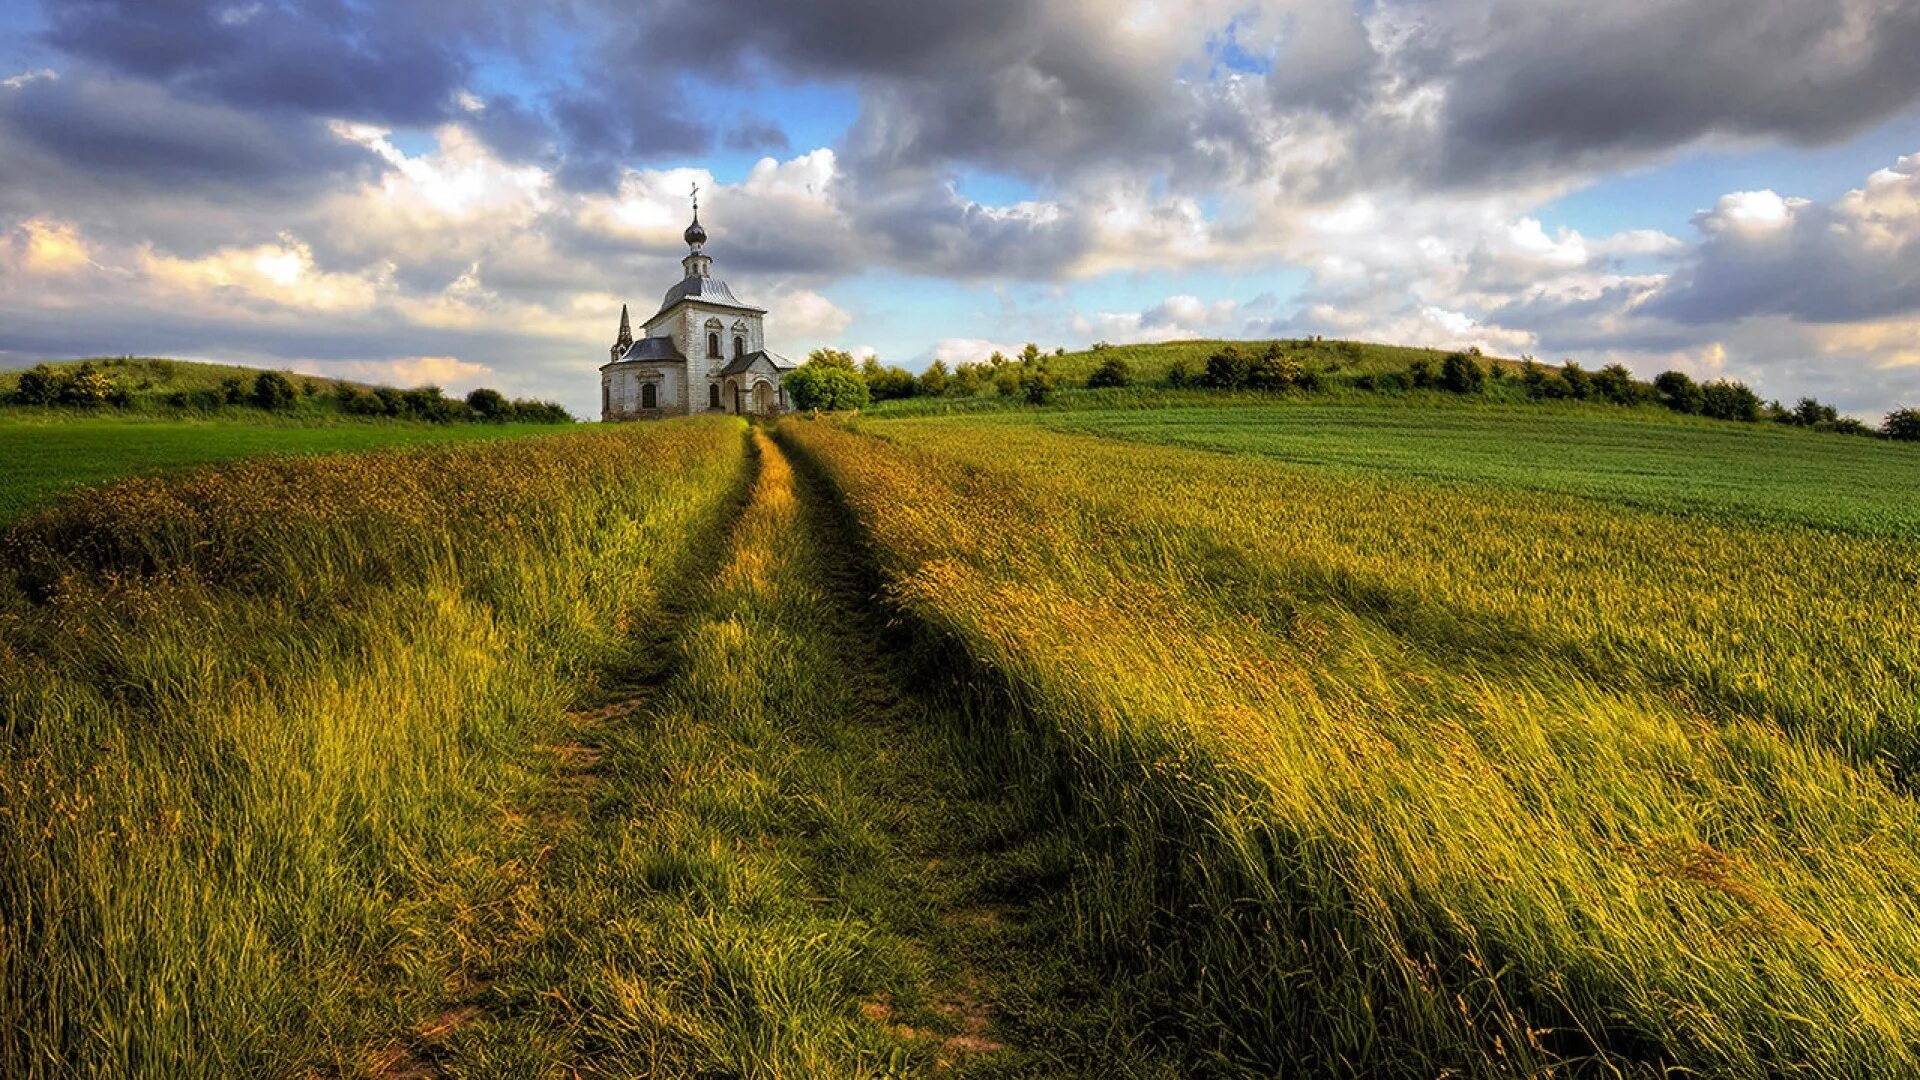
(713, 395)
(648, 396)
(606, 397)
(713, 344)
(739, 346)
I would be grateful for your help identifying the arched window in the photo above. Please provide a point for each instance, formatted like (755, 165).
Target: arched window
(648, 396)
(739, 346)
(713, 396)
(606, 398)
(713, 343)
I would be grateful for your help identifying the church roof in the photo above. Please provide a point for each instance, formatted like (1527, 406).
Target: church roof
(705, 289)
(741, 364)
(655, 349)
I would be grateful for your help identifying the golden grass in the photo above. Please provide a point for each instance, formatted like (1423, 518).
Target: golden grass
(267, 727)
(1379, 778)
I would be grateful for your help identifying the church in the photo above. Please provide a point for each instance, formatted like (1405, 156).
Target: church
(703, 351)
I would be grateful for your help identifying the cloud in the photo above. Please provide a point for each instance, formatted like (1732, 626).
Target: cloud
(1855, 259)
(450, 373)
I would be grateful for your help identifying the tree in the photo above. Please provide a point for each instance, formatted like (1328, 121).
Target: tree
(1678, 392)
(489, 405)
(1030, 355)
(86, 386)
(233, 390)
(39, 385)
(1420, 374)
(1579, 383)
(827, 387)
(1274, 372)
(1811, 412)
(1037, 385)
(1724, 399)
(934, 380)
(1462, 374)
(1180, 376)
(968, 380)
(1112, 372)
(1226, 369)
(1902, 424)
(889, 383)
(273, 391)
(1616, 384)
(832, 358)
(427, 403)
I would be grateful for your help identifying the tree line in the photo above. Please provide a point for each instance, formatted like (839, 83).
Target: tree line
(87, 386)
(832, 379)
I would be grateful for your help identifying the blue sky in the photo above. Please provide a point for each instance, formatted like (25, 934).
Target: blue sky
(467, 194)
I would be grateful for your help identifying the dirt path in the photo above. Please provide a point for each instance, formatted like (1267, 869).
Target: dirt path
(768, 857)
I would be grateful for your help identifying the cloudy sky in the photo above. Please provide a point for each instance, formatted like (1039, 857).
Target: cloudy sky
(466, 192)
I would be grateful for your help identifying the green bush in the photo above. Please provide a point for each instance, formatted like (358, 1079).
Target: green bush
(1724, 399)
(1579, 383)
(1462, 374)
(1679, 392)
(830, 388)
(1616, 384)
(934, 380)
(1037, 386)
(1227, 369)
(489, 405)
(1902, 424)
(39, 385)
(1180, 376)
(1812, 412)
(1112, 372)
(1420, 374)
(273, 391)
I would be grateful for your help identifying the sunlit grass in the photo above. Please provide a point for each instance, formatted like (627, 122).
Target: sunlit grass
(1380, 777)
(266, 728)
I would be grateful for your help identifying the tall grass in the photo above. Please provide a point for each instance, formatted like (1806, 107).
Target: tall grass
(266, 728)
(1377, 778)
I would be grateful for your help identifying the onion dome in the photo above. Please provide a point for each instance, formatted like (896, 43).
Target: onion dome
(695, 235)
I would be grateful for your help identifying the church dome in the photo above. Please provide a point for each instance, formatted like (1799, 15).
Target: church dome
(695, 235)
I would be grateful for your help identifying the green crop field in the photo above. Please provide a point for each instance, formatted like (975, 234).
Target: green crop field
(1205, 736)
(41, 457)
(1639, 458)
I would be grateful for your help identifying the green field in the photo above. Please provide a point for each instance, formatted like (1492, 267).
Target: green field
(41, 457)
(1220, 735)
(1640, 458)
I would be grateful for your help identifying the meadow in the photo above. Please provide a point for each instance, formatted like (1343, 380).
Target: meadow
(42, 456)
(1375, 777)
(272, 729)
(1234, 737)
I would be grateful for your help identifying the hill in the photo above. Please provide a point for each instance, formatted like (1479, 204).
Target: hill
(1151, 362)
(155, 386)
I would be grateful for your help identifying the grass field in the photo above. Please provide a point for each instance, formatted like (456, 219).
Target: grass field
(40, 457)
(1248, 739)
(1379, 777)
(1639, 458)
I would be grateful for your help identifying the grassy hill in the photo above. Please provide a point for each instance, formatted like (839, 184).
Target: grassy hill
(1151, 362)
(150, 381)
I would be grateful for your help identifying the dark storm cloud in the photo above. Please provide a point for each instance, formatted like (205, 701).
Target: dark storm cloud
(59, 135)
(324, 57)
(1556, 85)
(754, 134)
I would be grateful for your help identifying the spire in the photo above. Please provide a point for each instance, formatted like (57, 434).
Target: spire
(626, 327)
(696, 236)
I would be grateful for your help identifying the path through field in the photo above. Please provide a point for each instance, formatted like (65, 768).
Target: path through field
(767, 858)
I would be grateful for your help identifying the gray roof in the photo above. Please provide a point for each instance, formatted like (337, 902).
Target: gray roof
(708, 290)
(741, 364)
(659, 350)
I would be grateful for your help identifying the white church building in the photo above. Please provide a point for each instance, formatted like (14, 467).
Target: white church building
(703, 351)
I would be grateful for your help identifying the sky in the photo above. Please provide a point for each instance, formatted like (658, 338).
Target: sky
(465, 194)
